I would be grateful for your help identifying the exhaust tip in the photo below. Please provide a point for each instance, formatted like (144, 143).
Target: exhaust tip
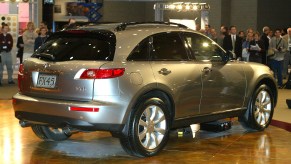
(24, 124)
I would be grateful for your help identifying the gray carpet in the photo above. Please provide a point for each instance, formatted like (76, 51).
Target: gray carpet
(8, 90)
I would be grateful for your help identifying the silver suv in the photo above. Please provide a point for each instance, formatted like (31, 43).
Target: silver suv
(138, 81)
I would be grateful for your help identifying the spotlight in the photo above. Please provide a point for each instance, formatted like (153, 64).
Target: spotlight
(195, 7)
(199, 7)
(179, 7)
(187, 7)
(172, 6)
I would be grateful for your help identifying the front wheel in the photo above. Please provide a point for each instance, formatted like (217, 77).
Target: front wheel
(260, 109)
(148, 129)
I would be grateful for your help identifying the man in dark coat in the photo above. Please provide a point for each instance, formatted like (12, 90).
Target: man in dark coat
(265, 40)
(233, 42)
(20, 46)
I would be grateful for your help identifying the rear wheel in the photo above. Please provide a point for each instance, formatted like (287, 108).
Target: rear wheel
(49, 133)
(260, 109)
(148, 129)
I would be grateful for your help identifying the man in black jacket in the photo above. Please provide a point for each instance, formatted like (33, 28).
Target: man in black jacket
(265, 40)
(6, 44)
(20, 46)
(233, 42)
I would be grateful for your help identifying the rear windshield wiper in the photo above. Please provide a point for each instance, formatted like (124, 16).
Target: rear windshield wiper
(45, 56)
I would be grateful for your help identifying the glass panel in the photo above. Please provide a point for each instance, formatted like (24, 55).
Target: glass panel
(203, 48)
(168, 46)
(76, 47)
(140, 52)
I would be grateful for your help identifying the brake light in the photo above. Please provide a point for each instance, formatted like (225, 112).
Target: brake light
(83, 109)
(102, 73)
(13, 101)
(20, 76)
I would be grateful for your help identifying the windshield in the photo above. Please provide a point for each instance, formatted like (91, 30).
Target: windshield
(67, 46)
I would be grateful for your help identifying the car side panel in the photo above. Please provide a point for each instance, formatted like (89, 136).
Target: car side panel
(184, 82)
(223, 87)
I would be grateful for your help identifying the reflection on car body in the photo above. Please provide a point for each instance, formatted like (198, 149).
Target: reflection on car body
(138, 81)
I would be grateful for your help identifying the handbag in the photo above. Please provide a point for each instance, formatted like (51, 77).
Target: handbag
(270, 52)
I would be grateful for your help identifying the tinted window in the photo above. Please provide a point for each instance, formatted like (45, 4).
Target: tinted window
(140, 52)
(78, 47)
(168, 46)
(203, 48)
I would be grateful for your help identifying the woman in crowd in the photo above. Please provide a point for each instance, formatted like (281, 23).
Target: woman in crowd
(29, 37)
(41, 38)
(257, 49)
(246, 47)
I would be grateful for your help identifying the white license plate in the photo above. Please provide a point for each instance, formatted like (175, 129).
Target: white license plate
(46, 81)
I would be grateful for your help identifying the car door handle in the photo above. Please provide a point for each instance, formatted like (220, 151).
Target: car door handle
(206, 69)
(164, 71)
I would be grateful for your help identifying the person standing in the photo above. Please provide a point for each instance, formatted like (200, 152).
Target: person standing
(20, 46)
(223, 33)
(257, 48)
(29, 37)
(214, 36)
(246, 47)
(71, 24)
(41, 38)
(6, 44)
(233, 42)
(266, 41)
(242, 35)
(279, 46)
(207, 31)
(287, 58)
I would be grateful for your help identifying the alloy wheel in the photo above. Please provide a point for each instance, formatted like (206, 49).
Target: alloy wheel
(263, 107)
(152, 127)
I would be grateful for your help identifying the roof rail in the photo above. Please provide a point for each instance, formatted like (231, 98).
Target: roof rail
(86, 24)
(123, 26)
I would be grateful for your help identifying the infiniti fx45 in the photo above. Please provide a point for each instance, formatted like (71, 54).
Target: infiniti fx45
(138, 81)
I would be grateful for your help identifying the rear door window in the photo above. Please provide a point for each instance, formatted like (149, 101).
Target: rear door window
(168, 46)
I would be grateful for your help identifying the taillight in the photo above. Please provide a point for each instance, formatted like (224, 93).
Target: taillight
(13, 101)
(20, 76)
(83, 109)
(102, 73)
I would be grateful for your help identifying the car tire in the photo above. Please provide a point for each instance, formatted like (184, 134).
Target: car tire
(260, 109)
(147, 131)
(50, 134)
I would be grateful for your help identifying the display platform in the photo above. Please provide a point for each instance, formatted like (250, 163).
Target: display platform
(236, 145)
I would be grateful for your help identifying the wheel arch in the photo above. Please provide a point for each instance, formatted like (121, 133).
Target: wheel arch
(249, 120)
(157, 93)
(267, 81)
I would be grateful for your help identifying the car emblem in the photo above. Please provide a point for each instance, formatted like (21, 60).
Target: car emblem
(46, 65)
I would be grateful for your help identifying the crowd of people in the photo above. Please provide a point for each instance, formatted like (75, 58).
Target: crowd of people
(27, 42)
(269, 48)
(272, 48)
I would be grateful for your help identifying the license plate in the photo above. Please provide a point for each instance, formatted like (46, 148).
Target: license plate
(46, 81)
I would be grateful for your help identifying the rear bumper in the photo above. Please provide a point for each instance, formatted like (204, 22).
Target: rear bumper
(57, 121)
(56, 113)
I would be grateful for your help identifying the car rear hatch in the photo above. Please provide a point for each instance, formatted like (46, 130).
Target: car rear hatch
(60, 69)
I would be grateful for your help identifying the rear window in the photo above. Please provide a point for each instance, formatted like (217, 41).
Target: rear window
(78, 45)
